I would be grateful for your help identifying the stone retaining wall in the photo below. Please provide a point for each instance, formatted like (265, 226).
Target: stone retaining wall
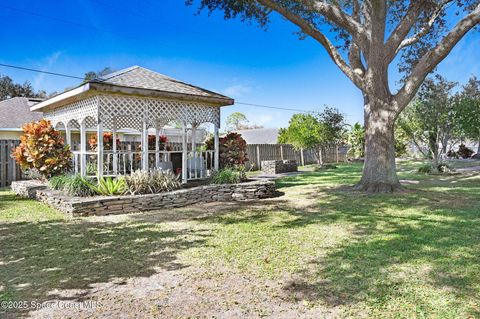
(27, 189)
(276, 167)
(108, 205)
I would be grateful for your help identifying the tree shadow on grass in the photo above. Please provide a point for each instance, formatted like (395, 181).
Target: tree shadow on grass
(396, 241)
(59, 260)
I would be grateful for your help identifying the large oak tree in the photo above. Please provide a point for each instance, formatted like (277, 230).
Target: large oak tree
(363, 38)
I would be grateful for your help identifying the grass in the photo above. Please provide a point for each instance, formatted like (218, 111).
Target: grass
(410, 255)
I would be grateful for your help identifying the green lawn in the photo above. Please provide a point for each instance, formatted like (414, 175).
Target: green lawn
(410, 255)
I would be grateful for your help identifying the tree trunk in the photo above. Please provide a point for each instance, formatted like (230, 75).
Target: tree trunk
(379, 170)
(478, 148)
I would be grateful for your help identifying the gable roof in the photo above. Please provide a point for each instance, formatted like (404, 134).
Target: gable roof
(15, 112)
(140, 81)
(260, 136)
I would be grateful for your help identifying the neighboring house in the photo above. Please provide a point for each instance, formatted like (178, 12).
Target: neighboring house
(260, 136)
(14, 113)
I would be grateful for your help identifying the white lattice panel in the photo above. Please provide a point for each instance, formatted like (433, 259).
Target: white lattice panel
(129, 111)
(85, 109)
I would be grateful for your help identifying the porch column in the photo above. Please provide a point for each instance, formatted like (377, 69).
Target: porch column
(99, 148)
(216, 147)
(114, 146)
(194, 131)
(144, 145)
(157, 147)
(194, 153)
(68, 135)
(184, 153)
(83, 148)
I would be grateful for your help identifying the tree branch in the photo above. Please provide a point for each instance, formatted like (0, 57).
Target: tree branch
(320, 37)
(335, 15)
(424, 30)
(433, 57)
(402, 29)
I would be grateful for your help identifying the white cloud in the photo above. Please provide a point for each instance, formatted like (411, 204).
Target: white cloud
(237, 90)
(47, 63)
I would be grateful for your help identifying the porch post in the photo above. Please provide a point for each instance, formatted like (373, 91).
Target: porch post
(194, 131)
(216, 147)
(114, 146)
(99, 148)
(157, 147)
(144, 145)
(83, 148)
(68, 135)
(184, 153)
(194, 146)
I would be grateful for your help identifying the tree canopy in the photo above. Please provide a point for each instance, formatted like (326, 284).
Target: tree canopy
(9, 89)
(236, 121)
(314, 130)
(364, 38)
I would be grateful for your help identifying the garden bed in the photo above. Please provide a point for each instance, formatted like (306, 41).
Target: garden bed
(109, 205)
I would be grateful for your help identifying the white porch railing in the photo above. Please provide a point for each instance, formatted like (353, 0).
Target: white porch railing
(200, 164)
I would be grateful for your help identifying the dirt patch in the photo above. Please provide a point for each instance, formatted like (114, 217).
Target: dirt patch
(190, 293)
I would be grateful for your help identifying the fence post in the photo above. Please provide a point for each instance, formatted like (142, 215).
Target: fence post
(258, 158)
(281, 152)
(336, 149)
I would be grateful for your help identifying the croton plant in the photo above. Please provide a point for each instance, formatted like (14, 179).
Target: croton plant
(43, 149)
(233, 149)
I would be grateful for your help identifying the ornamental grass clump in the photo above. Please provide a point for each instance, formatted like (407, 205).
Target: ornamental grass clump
(108, 186)
(152, 182)
(74, 185)
(229, 175)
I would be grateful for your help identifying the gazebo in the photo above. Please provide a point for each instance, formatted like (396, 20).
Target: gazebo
(140, 99)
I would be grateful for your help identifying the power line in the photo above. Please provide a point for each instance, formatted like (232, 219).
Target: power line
(40, 71)
(275, 107)
(50, 17)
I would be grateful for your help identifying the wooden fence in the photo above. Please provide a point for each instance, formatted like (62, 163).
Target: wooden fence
(9, 170)
(257, 153)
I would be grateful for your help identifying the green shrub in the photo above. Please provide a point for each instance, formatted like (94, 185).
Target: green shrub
(108, 186)
(77, 185)
(425, 169)
(229, 175)
(58, 182)
(152, 182)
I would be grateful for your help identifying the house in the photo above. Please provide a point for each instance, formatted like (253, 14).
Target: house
(14, 113)
(260, 136)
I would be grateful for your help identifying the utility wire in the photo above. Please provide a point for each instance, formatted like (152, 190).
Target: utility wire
(50, 17)
(41, 71)
(81, 78)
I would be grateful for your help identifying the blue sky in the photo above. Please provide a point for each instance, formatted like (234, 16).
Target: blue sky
(270, 67)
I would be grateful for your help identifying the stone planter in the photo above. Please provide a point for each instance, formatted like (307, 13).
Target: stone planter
(109, 205)
(276, 167)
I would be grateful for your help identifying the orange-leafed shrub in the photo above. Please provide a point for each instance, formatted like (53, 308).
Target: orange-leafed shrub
(42, 149)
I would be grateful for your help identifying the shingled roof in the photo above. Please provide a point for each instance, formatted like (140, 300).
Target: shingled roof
(136, 80)
(260, 136)
(15, 112)
(138, 77)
